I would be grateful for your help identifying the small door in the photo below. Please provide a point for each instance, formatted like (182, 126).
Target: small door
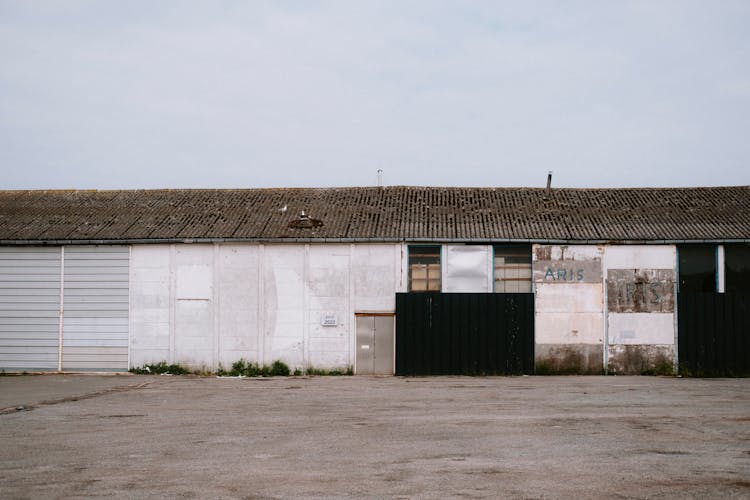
(374, 345)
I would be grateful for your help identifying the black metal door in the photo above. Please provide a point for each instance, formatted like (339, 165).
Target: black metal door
(714, 334)
(464, 333)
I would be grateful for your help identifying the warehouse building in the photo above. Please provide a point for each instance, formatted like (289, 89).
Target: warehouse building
(406, 280)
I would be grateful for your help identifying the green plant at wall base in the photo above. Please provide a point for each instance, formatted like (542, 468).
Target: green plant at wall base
(663, 368)
(161, 368)
(245, 368)
(323, 372)
(279, 369)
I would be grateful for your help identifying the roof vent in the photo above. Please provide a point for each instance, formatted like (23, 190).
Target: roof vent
(305, 222)
(548, 191)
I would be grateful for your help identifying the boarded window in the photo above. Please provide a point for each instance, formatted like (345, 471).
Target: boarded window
(424, 269)
(512, 269)
(697, 268)
(737, 265)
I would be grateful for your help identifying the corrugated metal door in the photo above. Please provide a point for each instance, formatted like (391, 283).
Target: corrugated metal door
(464, 333)
(374, 345)
(29, 308)
(713, 334)
(95, 327)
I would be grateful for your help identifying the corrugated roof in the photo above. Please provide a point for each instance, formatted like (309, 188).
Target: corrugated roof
(378, 214)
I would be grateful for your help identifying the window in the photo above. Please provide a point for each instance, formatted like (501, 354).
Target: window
(697, 268)
(424, 268)
(737, 265)
(512, 268)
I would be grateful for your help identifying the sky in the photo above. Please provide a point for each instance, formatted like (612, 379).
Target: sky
(242, 94)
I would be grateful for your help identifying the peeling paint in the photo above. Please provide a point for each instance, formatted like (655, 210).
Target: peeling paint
(640, 290)
(567, 264)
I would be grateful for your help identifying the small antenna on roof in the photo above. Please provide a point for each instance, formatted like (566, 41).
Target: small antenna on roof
(548, 191)
(380, 177)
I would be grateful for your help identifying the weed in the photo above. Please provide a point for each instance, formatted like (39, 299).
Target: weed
(245, 368)
(161, 368)
(312, 371)
(661, 368)
(279, 369)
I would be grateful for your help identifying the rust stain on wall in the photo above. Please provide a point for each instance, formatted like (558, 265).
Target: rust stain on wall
(640, 290)
(543, 252)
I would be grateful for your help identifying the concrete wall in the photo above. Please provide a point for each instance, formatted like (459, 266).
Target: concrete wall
(640, 305)
(569, 317)
(202, 305)
(208, 304)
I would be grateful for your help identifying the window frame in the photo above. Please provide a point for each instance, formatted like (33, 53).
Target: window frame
(439, 254)
(528, 249)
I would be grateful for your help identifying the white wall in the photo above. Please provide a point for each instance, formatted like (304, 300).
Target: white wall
(203, 305)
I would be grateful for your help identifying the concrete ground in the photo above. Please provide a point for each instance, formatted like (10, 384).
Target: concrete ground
(515, 437)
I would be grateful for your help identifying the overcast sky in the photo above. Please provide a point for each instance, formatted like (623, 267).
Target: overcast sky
(110, 94)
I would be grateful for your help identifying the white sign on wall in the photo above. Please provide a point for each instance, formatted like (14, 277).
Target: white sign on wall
(328, 320)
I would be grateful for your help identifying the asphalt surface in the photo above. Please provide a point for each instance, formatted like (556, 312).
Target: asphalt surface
(327, 437)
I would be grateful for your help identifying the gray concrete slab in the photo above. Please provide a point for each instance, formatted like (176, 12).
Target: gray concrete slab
(519, 437)
(28, 390)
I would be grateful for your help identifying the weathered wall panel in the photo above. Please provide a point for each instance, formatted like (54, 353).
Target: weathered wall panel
(641, 358)
(640, 290)
(96, 305)
(586, 359)
(569, 308)
(29, 308)
(567, 264)
(640, 307)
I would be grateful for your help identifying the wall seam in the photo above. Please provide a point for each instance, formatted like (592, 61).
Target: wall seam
(61, 317)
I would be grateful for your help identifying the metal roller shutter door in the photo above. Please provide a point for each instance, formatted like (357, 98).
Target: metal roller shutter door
(95, 319)
(29, 308)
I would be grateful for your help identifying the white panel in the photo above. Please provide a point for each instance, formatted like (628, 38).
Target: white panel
(149, 302)
(466, 268)
(194, 333)
(572, 298)
(95, 332)
(641, 328)
(374, 271)
(640, 257)
(194, 281)
(328, 294)
(569, 328)
(284, 303)
(238, 303)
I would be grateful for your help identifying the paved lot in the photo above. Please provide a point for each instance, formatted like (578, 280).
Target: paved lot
(521, 437)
